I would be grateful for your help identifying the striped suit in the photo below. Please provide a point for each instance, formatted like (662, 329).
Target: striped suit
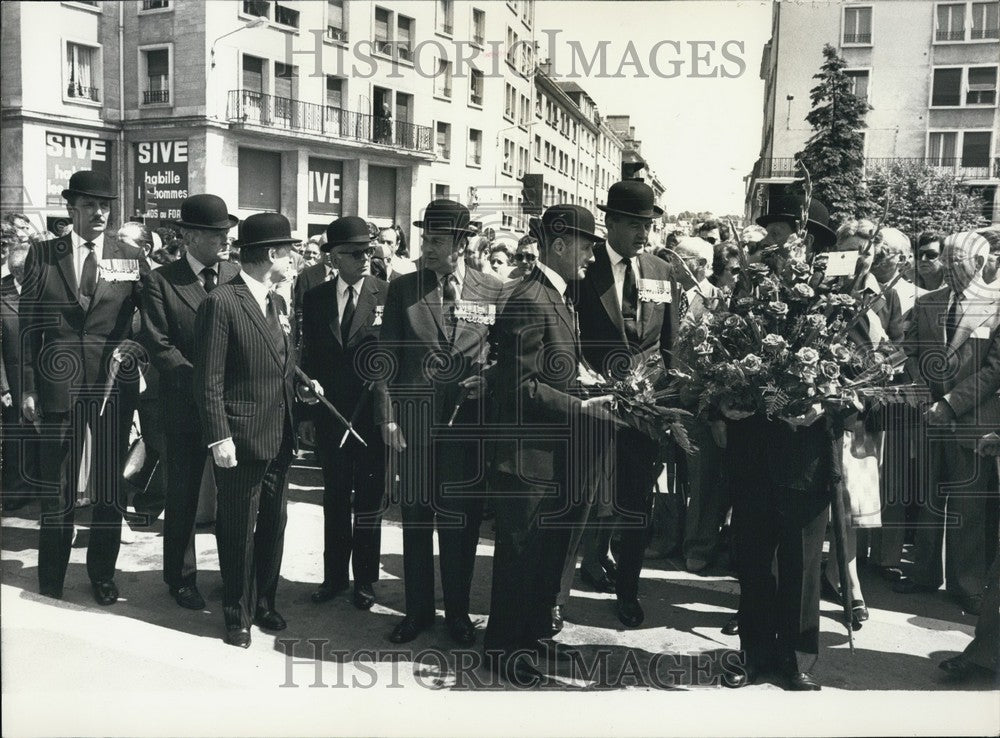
(243, 386)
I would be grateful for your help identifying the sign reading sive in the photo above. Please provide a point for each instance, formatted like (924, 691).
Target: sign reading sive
(325, 177)
(66, 153)
(161, 178)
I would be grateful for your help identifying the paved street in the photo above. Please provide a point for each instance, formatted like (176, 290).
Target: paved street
(151, 651)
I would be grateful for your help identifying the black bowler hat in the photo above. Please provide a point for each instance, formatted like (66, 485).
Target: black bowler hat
(788, 209)
(632, 198)
(347, 234)
(208, 212)
(563, 219)
(265, 229)
(90, 184)
(447, 216)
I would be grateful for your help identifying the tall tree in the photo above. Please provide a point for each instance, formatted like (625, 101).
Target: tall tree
(834, 153)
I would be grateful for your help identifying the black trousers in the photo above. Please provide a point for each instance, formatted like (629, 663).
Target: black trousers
(360, 469)
(637, 465)
(60, 453)
(442, 487)
(779, 617)
(250, 531)
(185, 464)
(19, 448)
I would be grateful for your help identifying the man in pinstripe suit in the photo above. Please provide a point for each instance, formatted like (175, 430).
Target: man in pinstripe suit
(243, 382)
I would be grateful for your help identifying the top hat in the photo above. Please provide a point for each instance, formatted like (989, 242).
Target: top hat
(347, 234)
(90, 183)
(789, 209)
(265, 229)
(633, 198)
(446, 216)
(207, 212)
(563, 219)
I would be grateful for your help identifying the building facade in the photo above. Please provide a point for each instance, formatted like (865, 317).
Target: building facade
(927, 68)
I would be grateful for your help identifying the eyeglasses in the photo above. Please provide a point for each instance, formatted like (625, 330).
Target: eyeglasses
(735, 271)
(928, 255)
(524, 257)
(710, 239)
(364, 253)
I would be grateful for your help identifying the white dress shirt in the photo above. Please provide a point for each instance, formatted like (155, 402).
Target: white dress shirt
(342, 295)
(618, 271)
(80, 254)
(197, 267)
(558, 282)
(258, 289)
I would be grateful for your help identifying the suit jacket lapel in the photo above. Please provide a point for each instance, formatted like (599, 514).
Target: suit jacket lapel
(188, 286)
(559, 304)
(253, 310)
(66, 267)
(427, 282)
(977, 313)
(366, 304)
(604, 283)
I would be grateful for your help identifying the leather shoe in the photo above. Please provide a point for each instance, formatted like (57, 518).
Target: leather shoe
(610, 568)
(556, 625)
(188, 597)
(461, 629)
(971, 604)
(889, 573)
(106, 593)
(909, 586)
(238, 637)
(364, 596)
(732, 626)
(801, 681)
(269, 619)
(55, 593)
(736, 679)
(630, 613)
(859, 614)
(695, 565)
(960, 669)
(326, 592)
(829, 592)
(598, 583)
(408, 629)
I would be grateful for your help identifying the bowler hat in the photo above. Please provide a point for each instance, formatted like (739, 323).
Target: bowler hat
(634, 198)
(448, 216)
(347, 234)
(90, 183)
(265, 229)
(563, 219)
(207, 212)
(788, 208)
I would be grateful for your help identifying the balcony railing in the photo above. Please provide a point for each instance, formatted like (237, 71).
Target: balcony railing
(336, 34)
(85, 93)
(980, 34)
(247, 106)
(857, 38)
(150, 97)
(974, 169)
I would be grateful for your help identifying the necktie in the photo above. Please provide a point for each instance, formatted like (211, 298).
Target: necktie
(576, 327)
(348, 316)
(88, 277)
(274, 324)
(208, 274)
(953, 319)
(449, 294)
(630, 303)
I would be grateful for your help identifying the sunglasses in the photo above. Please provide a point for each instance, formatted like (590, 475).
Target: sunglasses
(710, 239)
(929, 255)
(524, 257)
(364, 253)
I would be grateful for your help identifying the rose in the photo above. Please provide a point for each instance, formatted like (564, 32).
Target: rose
(768, 287)
(829, 369)
(840, 352)
(744, 304)
(807, 355)
(758, 271)
(773, 342)
(802, 291)
(799, 269)
(816, 320)
(733, 321)
(842, 300)
(777, 309)
(751, 363)
(704, 349)
(700, 334)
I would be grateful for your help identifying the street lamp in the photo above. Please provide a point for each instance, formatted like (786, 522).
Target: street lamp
(252, 23)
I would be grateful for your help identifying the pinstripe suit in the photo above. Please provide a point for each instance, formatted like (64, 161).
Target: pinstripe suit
(243, 388)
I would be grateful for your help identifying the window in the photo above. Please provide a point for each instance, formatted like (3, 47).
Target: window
(947, 87)
(383, 40)
(976, 149)
(257, 8)
(522, 161)
(509, 152)
(440, 192)
(478, 26)
(525, 112)
(985, 21)
(336, 23)
(442, 140)
(442, 80)
(941, 148)
(475, 155)
(253, 74)
(950, 22)
(859, 82)
(83, 72)
(538, 104)
(527, 11)
(857, 26)
(510, 102)
(259, 179)
(155, 4)
(982, 87)
(511, 46)
(404, 37)
(286, 16)
(538, 148)
(476, 87)
(157, 87)
(285, 105)
(445, 17)
(334, 92)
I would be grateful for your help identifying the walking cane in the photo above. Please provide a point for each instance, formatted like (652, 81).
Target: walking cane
(329, 406)
(365, 391)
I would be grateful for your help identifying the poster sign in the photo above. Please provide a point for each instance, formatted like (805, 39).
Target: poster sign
(161, 178)
(66, 153)
(325, 177)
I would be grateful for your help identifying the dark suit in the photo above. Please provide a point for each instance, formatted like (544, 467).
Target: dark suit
(542, 473)
(20, 439)
(308, 278)
(170, 302)
(442, 469)
(361, 469)
(243, 385)
(611, 352)
(67, 353)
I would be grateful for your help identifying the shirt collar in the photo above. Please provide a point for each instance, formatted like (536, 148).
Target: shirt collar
(558, 282)
(196, 266)
(459, 273)
(98, 242)
(258, 289)
(342, 286)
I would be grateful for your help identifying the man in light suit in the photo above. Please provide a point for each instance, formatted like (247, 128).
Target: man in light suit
(341, 320)
(243, 384)
(625, 319)
(954, 345)
(171, 300)
(79, 296)
(436, 327)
